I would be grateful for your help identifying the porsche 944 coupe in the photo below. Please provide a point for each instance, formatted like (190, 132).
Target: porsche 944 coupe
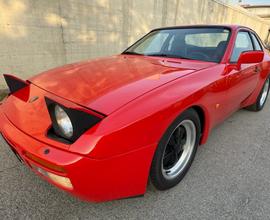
(100, 129)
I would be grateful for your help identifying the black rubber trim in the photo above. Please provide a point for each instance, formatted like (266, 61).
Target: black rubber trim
(52, 135)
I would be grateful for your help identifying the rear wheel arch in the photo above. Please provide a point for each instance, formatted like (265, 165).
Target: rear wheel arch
(257, 106)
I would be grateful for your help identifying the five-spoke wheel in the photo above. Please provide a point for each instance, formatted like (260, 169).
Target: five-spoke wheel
(176, 150)
(179, 149)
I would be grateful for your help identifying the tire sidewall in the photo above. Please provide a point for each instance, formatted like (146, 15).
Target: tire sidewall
(157, 177)
(259, 106)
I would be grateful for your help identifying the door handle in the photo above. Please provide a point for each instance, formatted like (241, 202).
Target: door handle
(257, 69)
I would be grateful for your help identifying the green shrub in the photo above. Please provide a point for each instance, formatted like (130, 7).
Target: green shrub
(3, 94)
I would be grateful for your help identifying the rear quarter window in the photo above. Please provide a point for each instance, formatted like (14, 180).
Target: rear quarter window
(257, 45)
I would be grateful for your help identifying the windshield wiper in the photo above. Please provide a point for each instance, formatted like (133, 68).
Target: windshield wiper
(157, 54)
(132, 53)
(166, 55)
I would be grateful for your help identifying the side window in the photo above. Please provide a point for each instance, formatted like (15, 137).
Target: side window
(257, 45)
(242, 43)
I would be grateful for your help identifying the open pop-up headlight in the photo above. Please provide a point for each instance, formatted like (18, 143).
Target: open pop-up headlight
(68, 124)
(14, 83)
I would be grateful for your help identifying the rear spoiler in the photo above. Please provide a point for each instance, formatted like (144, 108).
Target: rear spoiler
(14, 83)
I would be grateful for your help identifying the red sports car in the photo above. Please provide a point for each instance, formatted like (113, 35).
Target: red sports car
(100, 129)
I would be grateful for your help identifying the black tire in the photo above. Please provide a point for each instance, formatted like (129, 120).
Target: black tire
(258, 106)
(157, 176)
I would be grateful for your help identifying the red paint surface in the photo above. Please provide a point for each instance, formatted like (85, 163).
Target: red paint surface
(140, 97)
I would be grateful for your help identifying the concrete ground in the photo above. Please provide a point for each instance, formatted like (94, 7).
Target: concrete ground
(229, 179)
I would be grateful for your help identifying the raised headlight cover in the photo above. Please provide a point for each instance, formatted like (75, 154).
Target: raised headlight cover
(14, 83)
(80, 120)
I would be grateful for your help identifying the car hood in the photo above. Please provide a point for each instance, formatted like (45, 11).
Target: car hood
(106, 84)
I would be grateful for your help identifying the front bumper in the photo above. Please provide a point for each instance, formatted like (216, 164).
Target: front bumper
(93, 180)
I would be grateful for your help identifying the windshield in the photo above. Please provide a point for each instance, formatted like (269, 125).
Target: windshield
(205, 44)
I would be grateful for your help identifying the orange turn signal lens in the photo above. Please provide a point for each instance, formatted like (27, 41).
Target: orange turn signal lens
(45, 163)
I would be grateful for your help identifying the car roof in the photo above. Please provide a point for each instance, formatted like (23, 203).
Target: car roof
(229, 26)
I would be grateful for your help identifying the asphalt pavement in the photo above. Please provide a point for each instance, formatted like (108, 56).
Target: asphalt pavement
(229, 179)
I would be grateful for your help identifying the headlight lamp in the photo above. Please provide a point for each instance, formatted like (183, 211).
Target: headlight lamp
(63, 121)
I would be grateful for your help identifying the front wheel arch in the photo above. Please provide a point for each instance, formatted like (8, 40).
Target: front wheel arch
(202, 116)
(157, 177)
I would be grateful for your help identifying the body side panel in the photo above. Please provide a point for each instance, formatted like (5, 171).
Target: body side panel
(143, 121)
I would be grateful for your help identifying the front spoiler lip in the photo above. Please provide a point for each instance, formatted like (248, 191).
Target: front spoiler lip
(30, 163)
(20, 143)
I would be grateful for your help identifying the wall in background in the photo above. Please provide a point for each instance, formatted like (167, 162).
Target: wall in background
(36, 35)
(262, 11)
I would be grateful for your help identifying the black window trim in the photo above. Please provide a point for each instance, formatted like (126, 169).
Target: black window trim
(255, 35)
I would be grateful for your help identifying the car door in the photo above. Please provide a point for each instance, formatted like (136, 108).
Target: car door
(242, 82)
